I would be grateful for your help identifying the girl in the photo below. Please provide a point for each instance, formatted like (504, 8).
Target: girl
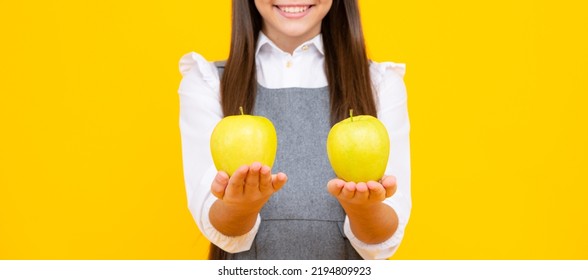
(303, 65)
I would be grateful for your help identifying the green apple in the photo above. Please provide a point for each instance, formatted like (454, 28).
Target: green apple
(358, 148)
(241, 140)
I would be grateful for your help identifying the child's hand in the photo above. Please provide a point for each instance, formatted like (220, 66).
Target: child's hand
(371, 221)
(249, 188)
(362, 194)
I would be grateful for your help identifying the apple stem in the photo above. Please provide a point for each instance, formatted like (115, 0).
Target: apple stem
(351, 114)
(241, 109)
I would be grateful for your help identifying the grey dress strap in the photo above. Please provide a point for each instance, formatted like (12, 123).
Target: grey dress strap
(220, 66)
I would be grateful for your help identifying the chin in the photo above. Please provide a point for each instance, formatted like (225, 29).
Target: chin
(298, 32)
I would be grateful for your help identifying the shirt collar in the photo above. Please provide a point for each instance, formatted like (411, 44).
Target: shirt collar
(263, 41)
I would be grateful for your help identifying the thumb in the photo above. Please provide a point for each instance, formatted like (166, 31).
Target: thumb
(278, 180)
(219, 184)
(335, 186)
(389, 183)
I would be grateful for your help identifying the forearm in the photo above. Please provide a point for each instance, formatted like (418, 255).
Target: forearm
(371, 224)
(230, 220)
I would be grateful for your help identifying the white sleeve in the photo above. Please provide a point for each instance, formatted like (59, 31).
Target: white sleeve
(393, 112)
(200, 111)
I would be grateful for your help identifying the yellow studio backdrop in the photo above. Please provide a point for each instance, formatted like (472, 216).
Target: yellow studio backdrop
(90, 156)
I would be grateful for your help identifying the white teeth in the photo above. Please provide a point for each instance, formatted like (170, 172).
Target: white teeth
(293, 10)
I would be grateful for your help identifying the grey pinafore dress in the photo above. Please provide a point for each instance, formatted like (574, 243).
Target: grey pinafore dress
(302, 220)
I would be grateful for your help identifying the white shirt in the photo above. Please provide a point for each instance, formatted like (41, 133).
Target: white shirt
(200, 111)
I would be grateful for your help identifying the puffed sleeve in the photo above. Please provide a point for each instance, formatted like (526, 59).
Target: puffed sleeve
(393, 112)
(200, 111)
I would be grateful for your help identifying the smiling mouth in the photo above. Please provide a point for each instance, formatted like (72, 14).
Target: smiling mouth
(294, 9)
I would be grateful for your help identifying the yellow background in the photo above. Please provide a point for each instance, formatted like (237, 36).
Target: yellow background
(90, 156)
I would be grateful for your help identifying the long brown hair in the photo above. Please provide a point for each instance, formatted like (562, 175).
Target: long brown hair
(346, 62)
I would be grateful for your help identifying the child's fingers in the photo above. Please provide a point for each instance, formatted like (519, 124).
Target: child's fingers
(376, 191)
(236, 182)
(219, 184)
(348, 191)
(265, 179)
(361, 192)
(361, 187)
(252, 179)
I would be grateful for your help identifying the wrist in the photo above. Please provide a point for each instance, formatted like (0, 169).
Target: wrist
(372, 212)
(361, 208)
(239, 210)
(231, 220)
(373, 224)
